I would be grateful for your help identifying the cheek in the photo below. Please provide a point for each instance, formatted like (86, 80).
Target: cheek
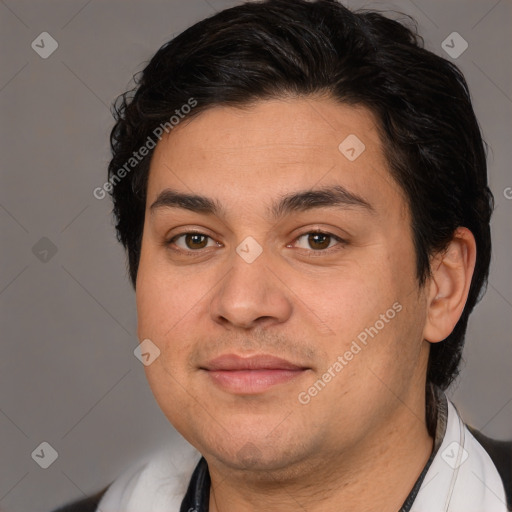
(352, 299)
(164, 309)
(373, 304)
(163, 298)
(165, 316)
(172, 308)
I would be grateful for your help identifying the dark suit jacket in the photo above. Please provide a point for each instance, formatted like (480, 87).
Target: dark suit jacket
(499, 451)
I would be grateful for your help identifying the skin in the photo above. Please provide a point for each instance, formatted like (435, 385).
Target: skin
(268, 451)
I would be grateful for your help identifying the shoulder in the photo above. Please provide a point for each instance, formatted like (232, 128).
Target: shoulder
(500, 453)
(156, 478)
(88, 504)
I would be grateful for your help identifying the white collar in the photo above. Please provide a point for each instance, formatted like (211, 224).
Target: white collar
(155, 483)
(461, 478)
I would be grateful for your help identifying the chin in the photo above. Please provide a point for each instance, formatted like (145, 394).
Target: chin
(253, 458)
(256, 453)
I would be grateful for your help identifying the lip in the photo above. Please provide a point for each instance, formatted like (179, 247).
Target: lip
(251, 375)
(233, 362)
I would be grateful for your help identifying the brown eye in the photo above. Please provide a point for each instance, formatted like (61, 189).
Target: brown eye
(195, 241)
(191, 241)
(318, 241)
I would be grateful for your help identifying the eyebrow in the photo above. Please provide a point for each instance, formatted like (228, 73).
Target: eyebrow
(328, 197)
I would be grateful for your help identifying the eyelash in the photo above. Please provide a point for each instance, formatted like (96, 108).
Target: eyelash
(311, 252)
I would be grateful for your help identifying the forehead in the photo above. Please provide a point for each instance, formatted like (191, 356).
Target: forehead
(273, 147)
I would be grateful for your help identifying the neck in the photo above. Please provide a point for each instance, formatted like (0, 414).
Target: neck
(356, 479)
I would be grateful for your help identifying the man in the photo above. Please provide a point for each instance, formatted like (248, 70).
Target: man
(303, 197)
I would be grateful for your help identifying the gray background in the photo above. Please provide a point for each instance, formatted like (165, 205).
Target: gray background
(68, 375)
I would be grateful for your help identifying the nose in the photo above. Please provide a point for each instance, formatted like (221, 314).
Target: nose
(251, 295)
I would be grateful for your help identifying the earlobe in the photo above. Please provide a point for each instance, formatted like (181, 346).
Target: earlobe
(451, 274)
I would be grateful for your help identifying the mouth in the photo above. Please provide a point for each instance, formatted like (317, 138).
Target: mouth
(251, 375)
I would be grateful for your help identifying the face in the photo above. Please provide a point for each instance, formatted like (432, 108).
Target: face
(282, 296)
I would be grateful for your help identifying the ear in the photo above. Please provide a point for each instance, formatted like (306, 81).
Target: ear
(451, 273)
